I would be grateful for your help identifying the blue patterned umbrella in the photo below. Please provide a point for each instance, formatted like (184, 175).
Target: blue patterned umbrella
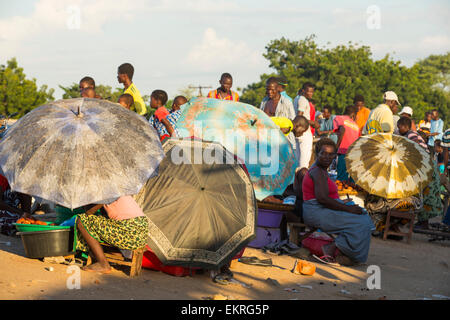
(80, 151)
(247, 132)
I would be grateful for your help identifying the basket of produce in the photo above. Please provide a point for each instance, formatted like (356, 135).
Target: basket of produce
(346, 187)
(31, 225)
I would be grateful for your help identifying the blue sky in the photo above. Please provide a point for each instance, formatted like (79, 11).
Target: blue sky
(174, 44)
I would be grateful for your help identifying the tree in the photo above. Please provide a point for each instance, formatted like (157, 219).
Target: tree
(341, 72)
(18, 94)
(438, 67)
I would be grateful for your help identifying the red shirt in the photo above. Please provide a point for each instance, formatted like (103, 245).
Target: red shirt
(161, 113)
(309, 191)
(312, 115)
(351, 133)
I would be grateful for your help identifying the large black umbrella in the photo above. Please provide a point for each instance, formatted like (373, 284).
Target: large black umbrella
(201, 214)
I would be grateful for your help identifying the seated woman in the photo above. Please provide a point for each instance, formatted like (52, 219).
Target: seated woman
(125, 228)
(322, 209)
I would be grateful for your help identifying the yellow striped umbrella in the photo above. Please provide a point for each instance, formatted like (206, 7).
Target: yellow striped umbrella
(389, 166)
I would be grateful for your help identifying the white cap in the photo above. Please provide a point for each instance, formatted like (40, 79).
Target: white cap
(407, 110)
(390, 95)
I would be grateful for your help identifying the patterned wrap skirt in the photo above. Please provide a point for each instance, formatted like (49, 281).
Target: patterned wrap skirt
(129, 234)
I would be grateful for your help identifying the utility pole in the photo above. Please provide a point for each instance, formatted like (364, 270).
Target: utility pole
(200, 89)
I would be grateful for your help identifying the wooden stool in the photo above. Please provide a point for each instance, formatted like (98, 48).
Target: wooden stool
(407, 215)
(113, 255)
(294, 230)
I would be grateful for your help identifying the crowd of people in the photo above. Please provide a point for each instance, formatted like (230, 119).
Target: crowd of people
(320, 140)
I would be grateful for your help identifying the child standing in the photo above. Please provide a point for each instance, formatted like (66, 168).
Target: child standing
(161, 120)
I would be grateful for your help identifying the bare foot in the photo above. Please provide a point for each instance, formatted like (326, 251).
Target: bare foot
(97, 267)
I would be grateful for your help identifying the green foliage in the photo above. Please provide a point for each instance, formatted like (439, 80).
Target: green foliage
(18, 94)
(341, 72)
(438, 67)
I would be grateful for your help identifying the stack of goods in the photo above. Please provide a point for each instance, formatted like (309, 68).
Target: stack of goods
(347, 187)
(31, 221)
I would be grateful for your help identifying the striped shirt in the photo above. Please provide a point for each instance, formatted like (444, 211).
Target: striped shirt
(161, 128)
(446, 139)
(216, 95)
(414, 136)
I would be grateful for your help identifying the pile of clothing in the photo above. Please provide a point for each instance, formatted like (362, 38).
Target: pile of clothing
(8, 218)
(378, 207)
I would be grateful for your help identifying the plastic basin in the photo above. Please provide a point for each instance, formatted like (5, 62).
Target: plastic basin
(49, 243)
(35, 227)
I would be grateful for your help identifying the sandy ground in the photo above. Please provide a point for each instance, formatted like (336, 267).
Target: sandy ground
(415, 271)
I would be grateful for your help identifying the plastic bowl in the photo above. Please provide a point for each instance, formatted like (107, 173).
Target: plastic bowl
(50, 243)
(36, 227)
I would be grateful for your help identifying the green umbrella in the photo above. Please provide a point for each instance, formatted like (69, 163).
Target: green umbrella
(201, 215)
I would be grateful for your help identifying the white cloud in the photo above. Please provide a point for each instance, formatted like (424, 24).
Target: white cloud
(51, 16)
(436, 43)
(199, 6)
(215, 53)
(413, 50)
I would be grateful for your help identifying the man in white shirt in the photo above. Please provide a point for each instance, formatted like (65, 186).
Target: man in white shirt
(277, 105)
(303, 108)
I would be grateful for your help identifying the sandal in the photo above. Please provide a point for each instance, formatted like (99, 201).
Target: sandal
(327, 260)
(222, 279)
(255, 261)
(274, 247)
(290, 248)
(259, 262)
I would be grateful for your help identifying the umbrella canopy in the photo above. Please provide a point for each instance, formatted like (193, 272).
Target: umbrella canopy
(201, 215)
(248, 133)
(79, 151)
(389, 166)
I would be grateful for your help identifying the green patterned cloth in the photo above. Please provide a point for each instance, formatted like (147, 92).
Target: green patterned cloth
(432, 203)
(127, 234)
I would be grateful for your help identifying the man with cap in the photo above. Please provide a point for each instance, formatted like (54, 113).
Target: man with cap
(408, 112)
(283, 84)
(381, 119)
